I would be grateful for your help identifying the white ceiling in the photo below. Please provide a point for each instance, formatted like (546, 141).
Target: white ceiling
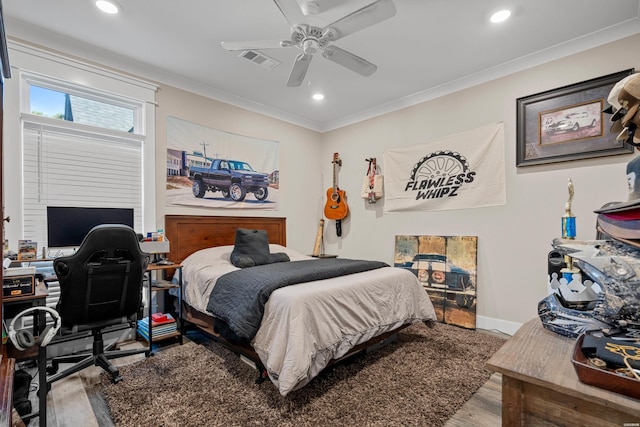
(429, 48)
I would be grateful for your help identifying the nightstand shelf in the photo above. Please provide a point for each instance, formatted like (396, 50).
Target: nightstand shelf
(160, 284)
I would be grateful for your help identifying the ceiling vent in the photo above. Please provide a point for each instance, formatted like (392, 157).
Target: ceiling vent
(262, 60)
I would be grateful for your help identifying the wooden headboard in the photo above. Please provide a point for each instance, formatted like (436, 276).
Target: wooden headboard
(190, 233)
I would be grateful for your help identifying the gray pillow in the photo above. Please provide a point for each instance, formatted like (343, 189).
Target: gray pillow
(251, 248)
(279, 257)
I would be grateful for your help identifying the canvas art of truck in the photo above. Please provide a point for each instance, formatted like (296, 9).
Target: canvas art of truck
(232, 177)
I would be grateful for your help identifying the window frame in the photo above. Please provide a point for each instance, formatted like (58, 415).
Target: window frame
(47, 69)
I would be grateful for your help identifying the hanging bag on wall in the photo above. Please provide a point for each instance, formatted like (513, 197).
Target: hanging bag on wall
(372, 183)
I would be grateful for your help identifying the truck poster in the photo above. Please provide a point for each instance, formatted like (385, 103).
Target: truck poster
(211, 168)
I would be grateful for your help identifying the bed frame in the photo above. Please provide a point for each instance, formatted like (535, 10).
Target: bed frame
(190, 233)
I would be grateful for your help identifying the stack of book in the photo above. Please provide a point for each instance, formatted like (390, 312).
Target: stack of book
(162, 324)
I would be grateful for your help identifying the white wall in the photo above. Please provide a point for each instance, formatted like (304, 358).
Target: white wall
(300, 171)
(513, 239)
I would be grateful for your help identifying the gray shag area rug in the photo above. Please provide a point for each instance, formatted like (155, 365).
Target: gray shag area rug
(420, 380)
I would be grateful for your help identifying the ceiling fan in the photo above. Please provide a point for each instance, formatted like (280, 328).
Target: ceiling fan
(310, 39)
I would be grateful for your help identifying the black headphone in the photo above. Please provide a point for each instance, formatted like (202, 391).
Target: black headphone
(24, 339)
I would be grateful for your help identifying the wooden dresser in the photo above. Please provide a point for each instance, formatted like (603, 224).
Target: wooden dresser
(540, 385)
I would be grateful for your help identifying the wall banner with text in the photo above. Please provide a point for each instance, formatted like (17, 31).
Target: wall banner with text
(459, 171)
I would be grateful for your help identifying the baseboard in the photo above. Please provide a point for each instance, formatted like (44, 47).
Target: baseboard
(499, 325)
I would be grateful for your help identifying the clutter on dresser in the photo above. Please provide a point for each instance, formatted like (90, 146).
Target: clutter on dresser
(593, 286)
(610, 361)
(595, 292)
(595, 299)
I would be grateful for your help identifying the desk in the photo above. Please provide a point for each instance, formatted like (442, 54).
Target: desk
(39, 322)
(540, 385)
(13, 306)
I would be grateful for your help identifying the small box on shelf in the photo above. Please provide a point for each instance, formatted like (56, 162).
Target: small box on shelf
(15, 286)
(27, 250)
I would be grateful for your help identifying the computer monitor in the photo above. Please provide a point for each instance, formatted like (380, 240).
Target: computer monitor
(67, 226)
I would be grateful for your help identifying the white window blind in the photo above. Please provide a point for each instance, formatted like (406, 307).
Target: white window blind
(69, 167)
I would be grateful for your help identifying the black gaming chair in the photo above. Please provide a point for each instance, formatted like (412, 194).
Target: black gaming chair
(100, 286)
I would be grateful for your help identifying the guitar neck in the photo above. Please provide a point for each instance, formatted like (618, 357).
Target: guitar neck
(336, 162)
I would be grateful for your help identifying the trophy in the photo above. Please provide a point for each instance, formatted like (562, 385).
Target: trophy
(568, 219)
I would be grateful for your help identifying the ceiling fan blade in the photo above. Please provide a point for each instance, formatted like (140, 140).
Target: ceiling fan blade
(256, 44)
(362, 18)
(349, 60)
(291, 11)
(299, 70)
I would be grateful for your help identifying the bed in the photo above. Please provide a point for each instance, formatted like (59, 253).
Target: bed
(305, 327)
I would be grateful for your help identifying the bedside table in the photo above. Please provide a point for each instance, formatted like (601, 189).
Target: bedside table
(162, 284)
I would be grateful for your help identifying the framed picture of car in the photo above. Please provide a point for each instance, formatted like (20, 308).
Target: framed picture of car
(567, 123)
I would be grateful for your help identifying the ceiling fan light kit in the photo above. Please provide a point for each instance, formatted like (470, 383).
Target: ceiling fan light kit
(310, 39)
(310, 8)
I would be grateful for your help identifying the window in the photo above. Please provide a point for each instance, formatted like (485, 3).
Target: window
(79, 109)
(85, 137)
(66, 167)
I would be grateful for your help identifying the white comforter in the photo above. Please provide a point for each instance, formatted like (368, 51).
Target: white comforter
(307, 325)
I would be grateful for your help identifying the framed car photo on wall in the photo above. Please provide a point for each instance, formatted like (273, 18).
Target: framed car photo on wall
(567, 123)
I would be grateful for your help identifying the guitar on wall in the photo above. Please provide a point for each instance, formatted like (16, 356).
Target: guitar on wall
(336, 207)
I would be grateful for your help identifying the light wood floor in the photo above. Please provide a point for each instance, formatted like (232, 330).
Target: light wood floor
(77, 401)
(484, 409)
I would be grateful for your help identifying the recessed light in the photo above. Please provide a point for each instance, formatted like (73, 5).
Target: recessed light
(108, 6)
(318, 96)
(501, 15)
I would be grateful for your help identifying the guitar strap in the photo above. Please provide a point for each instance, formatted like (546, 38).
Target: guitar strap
(338, 221)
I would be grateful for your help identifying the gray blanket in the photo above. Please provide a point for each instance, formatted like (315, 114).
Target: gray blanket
(238, 298)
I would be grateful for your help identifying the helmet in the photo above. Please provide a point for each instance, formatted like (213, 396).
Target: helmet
(604, 294)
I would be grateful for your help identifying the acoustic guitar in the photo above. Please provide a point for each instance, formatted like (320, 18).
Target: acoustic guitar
(336, 207)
